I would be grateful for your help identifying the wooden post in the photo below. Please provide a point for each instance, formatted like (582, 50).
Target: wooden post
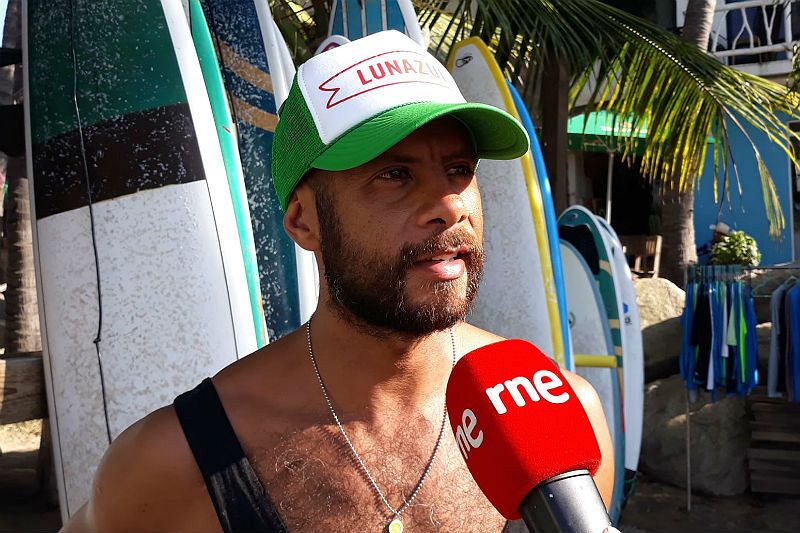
(22, 388)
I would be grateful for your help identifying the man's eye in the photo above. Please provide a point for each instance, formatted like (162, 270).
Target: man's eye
(395, 174)
(461, 170)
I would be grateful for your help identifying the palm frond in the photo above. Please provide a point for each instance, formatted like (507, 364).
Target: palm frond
(637, 70)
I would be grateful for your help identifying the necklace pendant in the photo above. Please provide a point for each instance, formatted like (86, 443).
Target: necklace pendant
(396, 526)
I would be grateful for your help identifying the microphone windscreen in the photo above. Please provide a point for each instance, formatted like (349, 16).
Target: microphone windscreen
(517, 422)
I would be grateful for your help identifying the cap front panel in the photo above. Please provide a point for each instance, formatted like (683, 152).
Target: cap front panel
(343, 88)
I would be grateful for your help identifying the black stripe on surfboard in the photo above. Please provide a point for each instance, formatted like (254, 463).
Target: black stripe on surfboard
(127, 154)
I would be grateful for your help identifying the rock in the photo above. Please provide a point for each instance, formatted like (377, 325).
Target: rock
(720, 437)
(660, 308)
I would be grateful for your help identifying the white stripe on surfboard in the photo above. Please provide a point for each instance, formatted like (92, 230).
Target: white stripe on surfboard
(413, 29)
(216, 178)
(269, 38)
(282, 72)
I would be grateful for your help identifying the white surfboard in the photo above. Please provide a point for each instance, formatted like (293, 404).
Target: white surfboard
(517, 298)
(588, 324)
(142, 290)
(633, 350)
(578, 226)
(278, 54)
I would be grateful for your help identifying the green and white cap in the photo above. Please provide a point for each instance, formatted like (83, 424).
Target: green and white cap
(350, 104)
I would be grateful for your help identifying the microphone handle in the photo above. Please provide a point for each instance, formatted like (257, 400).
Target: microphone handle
(566, 503)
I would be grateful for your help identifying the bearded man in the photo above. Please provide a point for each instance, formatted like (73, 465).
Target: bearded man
(340, 425)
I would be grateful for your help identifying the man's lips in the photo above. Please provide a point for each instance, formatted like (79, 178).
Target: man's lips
(443, 265)
(445, 254)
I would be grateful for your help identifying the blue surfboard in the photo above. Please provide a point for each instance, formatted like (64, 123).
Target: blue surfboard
(246, 70)
(551, 221)
(358, 18)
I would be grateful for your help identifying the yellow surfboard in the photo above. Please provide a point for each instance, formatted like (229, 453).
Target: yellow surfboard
(518, 297)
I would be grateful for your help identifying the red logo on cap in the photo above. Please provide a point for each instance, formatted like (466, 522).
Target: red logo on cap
(382, 70)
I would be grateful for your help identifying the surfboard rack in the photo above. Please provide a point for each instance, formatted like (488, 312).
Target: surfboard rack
(596, 361)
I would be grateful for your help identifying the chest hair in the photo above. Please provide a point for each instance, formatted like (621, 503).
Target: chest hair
(316, 485)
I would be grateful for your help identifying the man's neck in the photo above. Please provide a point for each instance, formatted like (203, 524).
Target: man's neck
(370, 372)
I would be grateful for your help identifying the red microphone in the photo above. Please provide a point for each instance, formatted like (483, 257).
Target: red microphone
(526, 438)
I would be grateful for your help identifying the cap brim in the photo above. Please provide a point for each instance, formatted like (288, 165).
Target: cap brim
(497, 135)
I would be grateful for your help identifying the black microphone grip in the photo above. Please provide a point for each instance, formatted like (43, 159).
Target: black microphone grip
(566, 503)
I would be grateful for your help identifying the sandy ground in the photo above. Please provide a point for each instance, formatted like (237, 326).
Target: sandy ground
(658, 507)
(23, 507)
(654, 507)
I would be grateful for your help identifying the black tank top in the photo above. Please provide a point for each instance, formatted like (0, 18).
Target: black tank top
(238, 496)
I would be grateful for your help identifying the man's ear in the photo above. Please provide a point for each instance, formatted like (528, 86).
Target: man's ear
(300, 220)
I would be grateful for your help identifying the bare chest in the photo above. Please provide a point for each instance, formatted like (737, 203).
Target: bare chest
(316, 485)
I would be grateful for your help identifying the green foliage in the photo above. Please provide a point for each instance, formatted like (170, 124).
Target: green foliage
(738, 248)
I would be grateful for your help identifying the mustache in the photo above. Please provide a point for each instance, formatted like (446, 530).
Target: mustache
(411, 252)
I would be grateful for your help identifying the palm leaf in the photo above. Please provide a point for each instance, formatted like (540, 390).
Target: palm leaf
(638, 70)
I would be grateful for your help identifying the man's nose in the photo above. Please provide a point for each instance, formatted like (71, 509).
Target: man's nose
(445, 208)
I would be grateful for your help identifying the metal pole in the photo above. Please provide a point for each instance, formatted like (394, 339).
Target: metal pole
(608, 185)
(688, 457)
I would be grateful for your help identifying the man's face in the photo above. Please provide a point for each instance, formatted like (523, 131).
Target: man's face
(401, 235)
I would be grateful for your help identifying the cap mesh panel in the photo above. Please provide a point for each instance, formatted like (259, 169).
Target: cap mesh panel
(295, 146)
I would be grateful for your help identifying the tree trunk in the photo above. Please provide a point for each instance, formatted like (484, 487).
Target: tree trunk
(22, 312)
(677, 218)
(555, 115)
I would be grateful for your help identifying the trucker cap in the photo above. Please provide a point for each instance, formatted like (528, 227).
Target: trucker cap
(350, 104)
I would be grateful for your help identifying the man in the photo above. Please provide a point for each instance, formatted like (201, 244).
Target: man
(339, 426)
(720, 230)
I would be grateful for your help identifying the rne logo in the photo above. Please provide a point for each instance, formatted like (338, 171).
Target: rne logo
(542, 388)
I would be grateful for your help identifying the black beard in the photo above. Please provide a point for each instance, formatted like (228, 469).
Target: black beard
(372, 289)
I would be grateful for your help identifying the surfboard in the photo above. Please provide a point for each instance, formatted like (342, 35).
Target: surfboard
(588, 323)
(140, 277)
(578, 226)
(551, 222)
(517, 297)
(278, 52)
(357, 18)
(252, 77)
(226, 134)
(633, 354)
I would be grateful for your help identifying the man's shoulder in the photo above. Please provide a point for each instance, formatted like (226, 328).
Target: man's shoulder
(147, 472)
(473, 337)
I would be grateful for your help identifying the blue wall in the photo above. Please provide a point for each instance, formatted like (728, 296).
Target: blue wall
(747, 212)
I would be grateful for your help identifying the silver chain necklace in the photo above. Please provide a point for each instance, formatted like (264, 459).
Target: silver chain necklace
(395, 525)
